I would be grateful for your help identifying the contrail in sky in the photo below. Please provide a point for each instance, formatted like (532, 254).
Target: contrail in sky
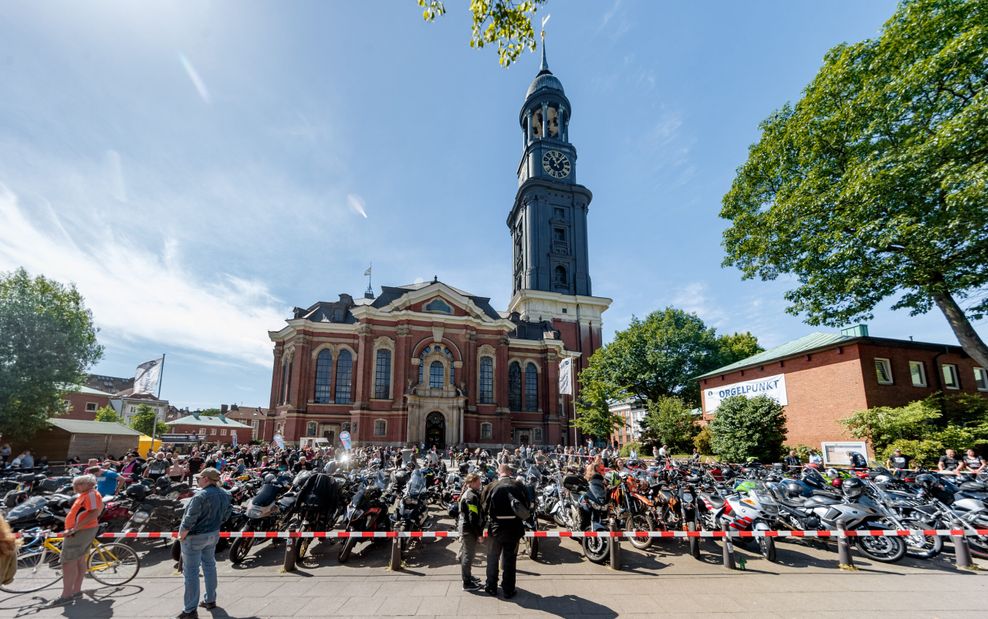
(194, 76)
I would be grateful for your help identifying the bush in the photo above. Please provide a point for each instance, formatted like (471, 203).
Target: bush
(701, 442)
(924, 453)
(748, 428)
(669, 422)
(627, 447)
(803, 451)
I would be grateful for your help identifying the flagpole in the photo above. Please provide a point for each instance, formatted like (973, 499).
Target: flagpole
(154, 426)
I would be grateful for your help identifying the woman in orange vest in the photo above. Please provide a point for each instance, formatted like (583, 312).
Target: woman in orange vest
(81, 525)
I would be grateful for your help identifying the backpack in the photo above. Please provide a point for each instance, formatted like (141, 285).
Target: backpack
(520, 509)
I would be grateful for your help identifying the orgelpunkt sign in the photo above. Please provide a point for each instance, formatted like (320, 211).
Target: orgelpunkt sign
(772, 386)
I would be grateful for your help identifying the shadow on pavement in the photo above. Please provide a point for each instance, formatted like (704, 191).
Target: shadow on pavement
(561, 605)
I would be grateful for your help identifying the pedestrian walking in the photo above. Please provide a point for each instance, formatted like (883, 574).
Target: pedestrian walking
(471, 529)
(81, 525)
(199, 532)
(501, 501)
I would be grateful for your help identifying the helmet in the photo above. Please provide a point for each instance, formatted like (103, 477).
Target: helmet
(927, 481)
(269, 478)
(138, 492)
(852, 487)
(791, 488)
(833, 473)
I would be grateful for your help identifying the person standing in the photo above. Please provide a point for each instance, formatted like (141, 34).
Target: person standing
(5, 454)
(199, 532)
(505, 530)
(471, 529)
(792, 460)
(81, 525)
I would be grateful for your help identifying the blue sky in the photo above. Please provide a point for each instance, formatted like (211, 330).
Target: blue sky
(199, 168)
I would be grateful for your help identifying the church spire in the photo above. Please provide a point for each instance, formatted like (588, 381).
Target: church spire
(545, 64)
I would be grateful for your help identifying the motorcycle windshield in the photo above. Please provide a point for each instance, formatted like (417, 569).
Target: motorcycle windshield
(597, 492)
(416, 485)
(28, 508)
(534, 475)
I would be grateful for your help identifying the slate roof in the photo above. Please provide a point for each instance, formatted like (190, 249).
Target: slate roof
(109, 384)
(813, 341)
(86, 390)
(81, 426)
(339, 311)
(209, 421)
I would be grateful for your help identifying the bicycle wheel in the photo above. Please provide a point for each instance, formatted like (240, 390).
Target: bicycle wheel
(113, 564)
(37, 568)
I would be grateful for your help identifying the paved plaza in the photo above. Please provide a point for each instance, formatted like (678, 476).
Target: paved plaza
(660, 582)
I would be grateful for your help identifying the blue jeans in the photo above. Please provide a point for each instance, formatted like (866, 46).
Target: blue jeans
(199, 550)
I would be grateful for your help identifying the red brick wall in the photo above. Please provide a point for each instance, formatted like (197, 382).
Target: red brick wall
(77, 405)
(902, 391)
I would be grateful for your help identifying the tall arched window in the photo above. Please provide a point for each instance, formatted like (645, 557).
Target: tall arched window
(531, 388)
(486, 380)
(514, 386)
(560, 278)
(284, 381)
(436, 374)
(324, 371)
(344, 377)
(382, 374)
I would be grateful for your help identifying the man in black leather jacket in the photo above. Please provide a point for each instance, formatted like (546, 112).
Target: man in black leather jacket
(505, 529)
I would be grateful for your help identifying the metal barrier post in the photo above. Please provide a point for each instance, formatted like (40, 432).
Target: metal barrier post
(727, 548)
(614, 546)
(962, 551)
(844, 560)
(395, 563)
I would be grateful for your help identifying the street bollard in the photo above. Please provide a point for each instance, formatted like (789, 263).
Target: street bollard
(727, 548)
(844, 560)
(395, 564)
(614, 546)
(962, 551)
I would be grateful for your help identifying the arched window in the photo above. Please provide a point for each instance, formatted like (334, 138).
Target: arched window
(284, 381)
(514, 386)
(560, 278)
(439, 306)
(486, 380)
(382, 374)
(344, 377)
(531, 388)
(324, 371)
(436, 374)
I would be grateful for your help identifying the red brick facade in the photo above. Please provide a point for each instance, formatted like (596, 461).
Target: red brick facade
(827, 385)
(397, 407)
(84, 403)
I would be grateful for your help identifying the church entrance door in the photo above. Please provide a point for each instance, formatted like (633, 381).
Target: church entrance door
(435, 430)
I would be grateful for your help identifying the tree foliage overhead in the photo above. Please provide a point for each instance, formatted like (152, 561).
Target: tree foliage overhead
(662, 355)
(669, 421)
(875, 183)
(145, 421)
(106, 413)
(505, 22)
(593, 414)
(47, 341)
(748, 428)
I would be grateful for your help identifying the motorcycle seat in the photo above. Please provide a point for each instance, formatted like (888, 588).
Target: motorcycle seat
(821, 498)
(715, 499)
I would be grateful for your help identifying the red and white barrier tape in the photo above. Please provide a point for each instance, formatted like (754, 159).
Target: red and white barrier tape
(571, 534)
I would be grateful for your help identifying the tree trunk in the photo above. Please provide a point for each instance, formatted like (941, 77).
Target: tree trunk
(968, 338)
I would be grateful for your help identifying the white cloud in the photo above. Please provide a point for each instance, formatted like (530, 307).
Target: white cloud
(137, 293)
(695, 297)
(193, 74)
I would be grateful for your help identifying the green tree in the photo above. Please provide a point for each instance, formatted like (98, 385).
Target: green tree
(746, 428)
(505, 22)
(883, 425)
(669, 421)
(593, 414)
(107, 413)
(47, 341)
(145, 421)
(662, 355)
(874, 184)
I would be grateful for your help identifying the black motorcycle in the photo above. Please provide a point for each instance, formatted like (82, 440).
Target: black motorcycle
(264, 512)
(595, 510)
(367, 511)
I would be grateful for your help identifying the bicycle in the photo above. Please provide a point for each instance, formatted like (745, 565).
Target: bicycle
(39, 565)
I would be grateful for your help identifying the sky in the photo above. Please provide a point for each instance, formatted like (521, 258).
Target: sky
(197, 169)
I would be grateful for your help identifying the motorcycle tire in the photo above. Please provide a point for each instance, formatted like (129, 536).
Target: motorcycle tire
(347, 550)
(596, 549)
(641, 522)
(882, 549)
(920, 546)
(694, 542)
(766, 545)
(240, 548)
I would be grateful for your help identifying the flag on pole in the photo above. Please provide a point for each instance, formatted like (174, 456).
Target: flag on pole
(566, 376)
(367, 273)
(234, 431)
(148, 376)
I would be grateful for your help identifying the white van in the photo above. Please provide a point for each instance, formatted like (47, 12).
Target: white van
(315, 442)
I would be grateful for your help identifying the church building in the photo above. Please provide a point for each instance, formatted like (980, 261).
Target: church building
(432, 363)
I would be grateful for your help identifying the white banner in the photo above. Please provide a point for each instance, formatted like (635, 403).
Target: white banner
(772, 386)
(566, 376)
(148, 377)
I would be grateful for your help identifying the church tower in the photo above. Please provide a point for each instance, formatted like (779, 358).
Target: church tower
(548, 222)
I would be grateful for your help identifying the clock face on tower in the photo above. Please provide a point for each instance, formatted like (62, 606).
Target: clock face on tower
(555, 164)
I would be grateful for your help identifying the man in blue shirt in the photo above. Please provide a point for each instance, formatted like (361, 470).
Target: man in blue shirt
(108, 480)
(199, 532)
